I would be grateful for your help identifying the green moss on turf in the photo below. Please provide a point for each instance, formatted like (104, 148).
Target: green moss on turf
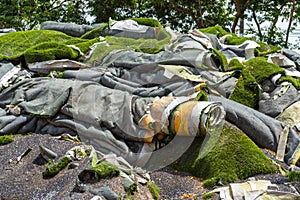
(265, 49)
(261, 69)
(37, 43)
(222, 58)
(105, 170)
(235, 64)
(49, 51)
(246, 90)
(139, 45)
(6, 139)
(235, 40)
(147, 22)
(234, 157)
(295, 81)
(208, 195)
(52, 170)
(96, 32)
(154, 189)
(216, 30)
(294, 176)
(14, 44)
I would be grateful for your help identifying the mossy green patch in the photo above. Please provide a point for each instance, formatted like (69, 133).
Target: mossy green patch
(294, 176)
(234, 157)
(139, 45)
(216, 30)
(235, 64)
(154, 189)
(52, 170)
(265, 49)
(6, 139)
(261, 69)
(41, 45)
(14, 44)
(222, 58)
(235, 40)
(246, 90)
(49, 51)
(105, 170)
(96, 32)
(295, 81)
(208, 195)
(147, 22)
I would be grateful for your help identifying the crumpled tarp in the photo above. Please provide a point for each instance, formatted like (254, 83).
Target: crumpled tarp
(68, 28)
(104, 102)
(101, 116)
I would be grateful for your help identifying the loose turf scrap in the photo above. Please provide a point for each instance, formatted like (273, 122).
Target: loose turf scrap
(234, 157)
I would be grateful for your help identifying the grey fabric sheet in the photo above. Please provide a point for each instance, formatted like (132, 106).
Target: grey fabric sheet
(294, 56)
(67, 28)
(191, 57)
(130, 29)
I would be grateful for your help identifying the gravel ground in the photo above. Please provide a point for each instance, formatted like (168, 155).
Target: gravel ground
(24, 180)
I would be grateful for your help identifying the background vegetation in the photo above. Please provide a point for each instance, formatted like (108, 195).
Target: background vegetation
(181, 15)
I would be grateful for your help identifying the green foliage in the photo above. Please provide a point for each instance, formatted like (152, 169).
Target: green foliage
(28, 14)
(6, 139)
(177, 14)
(294, 176)
(52, 170)
(215, 30)
(105, 170)
(154, 189)
(49, 51)
(234, 157)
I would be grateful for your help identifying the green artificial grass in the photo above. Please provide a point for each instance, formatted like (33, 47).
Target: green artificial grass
(14, 44)
(265, 49)
(52, 170)
(105, 170)
(147, 22)
(6, 139)
(253, 73)
(41, 45)
(261, 70)
(154, 189)
(222, 58)
(234, 157)
(235, 40)
(246, 90)
(235, 64)
(295, 81)
(215, 30)
(151, 46)
(96, 32)
(294, 176)
(49, 51)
